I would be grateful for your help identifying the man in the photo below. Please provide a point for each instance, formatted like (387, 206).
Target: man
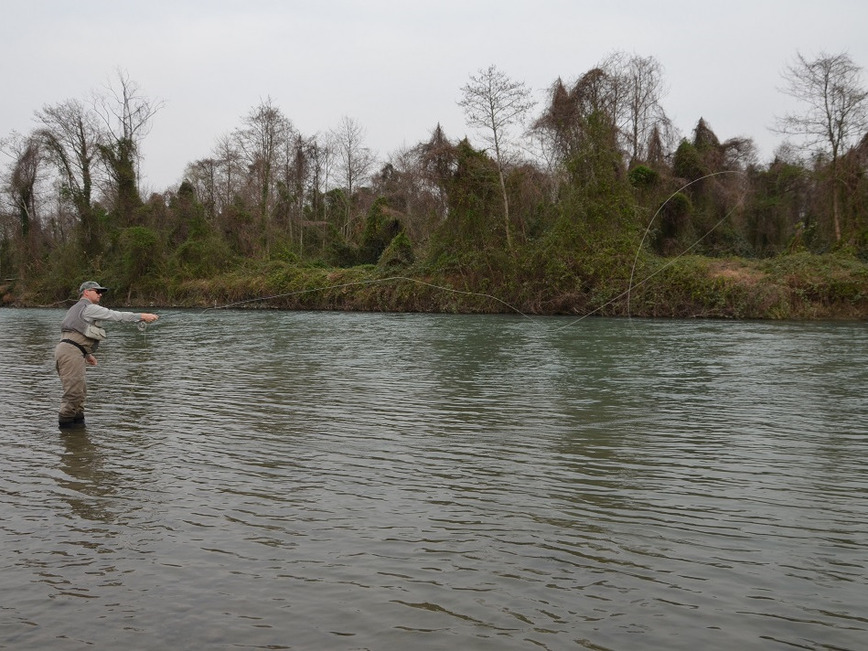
(81, 332)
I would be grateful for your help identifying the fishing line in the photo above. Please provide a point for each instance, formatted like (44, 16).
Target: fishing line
(738, 204)
(630, 287)
(372, 282)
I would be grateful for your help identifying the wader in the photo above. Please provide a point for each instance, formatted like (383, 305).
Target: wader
(69, 360)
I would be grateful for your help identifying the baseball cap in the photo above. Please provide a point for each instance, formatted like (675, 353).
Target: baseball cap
(91, 284)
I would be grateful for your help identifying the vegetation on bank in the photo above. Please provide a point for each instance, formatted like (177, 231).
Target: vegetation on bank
(612, 217)
(804, 287)
(797, 286)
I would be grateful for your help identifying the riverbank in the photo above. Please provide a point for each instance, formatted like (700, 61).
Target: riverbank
(799, 286)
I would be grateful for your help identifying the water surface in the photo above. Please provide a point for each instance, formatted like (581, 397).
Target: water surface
(386, 481)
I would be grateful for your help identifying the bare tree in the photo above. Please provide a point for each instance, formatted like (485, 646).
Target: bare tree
(320, 157)
(639, 112)
(494, 103)
(125, 112)
(559, 125)
(21, 191)
(202, 175)
(354, 158)
(581, 126)
(415, 181)
(437, 160)
(126, 115)
(71, 138)
(296, 172)
(836, 111)
(262, 142)
(229, 170)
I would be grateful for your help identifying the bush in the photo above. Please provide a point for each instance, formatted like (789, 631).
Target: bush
(200, 258)
(399, 253)
(643, 176)
(140, 252)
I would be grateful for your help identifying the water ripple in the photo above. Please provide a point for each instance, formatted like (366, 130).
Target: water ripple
(346, 481)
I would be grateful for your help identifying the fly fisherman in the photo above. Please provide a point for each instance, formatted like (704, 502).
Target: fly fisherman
(81, 333)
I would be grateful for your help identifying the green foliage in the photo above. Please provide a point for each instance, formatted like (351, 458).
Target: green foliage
(475, 205)
(704, 139)
(696, 287)
(642, 176)
(821, 284)
(576, 230)
(596, 165)
(585, 260)
(673, 228)
(679, 205)
(341, 254)
(860, 245)
(66, 269)
(120, 160)
(687, 162)
(380, 230)
(774, 210)
(336, 202)
(399, 253)
(139, 252)
(203, 256)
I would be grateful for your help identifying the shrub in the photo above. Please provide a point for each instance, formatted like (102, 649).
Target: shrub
(643, 176)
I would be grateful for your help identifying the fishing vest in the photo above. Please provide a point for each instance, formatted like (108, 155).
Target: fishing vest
(75, 322)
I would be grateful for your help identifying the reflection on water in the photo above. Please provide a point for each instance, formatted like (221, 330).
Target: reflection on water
(349, 481)
(84, 479)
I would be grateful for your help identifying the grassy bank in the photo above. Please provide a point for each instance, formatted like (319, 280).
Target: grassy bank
(799, 286)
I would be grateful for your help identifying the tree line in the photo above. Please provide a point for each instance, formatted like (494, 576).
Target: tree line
(567, 192)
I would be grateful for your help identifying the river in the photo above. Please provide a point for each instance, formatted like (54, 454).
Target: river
(307, 480)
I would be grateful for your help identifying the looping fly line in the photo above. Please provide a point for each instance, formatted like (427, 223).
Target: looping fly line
(631, 285)
(626, 293)
(370, 282)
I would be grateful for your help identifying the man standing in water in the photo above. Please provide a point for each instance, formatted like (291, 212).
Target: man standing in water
(81, 333)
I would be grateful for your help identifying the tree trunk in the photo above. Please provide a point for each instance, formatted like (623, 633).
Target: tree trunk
(505, 208)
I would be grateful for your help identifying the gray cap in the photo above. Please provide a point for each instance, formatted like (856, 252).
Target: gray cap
(91, 284)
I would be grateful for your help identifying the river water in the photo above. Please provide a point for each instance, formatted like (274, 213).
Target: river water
(296, 480)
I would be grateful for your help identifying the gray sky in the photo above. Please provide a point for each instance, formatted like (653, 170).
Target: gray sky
(397, 66)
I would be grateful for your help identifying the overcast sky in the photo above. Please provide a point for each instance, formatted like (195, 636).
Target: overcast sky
(397, 66)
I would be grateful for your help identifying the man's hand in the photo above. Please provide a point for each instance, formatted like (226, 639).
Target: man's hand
(90, 359)
(149, 318)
